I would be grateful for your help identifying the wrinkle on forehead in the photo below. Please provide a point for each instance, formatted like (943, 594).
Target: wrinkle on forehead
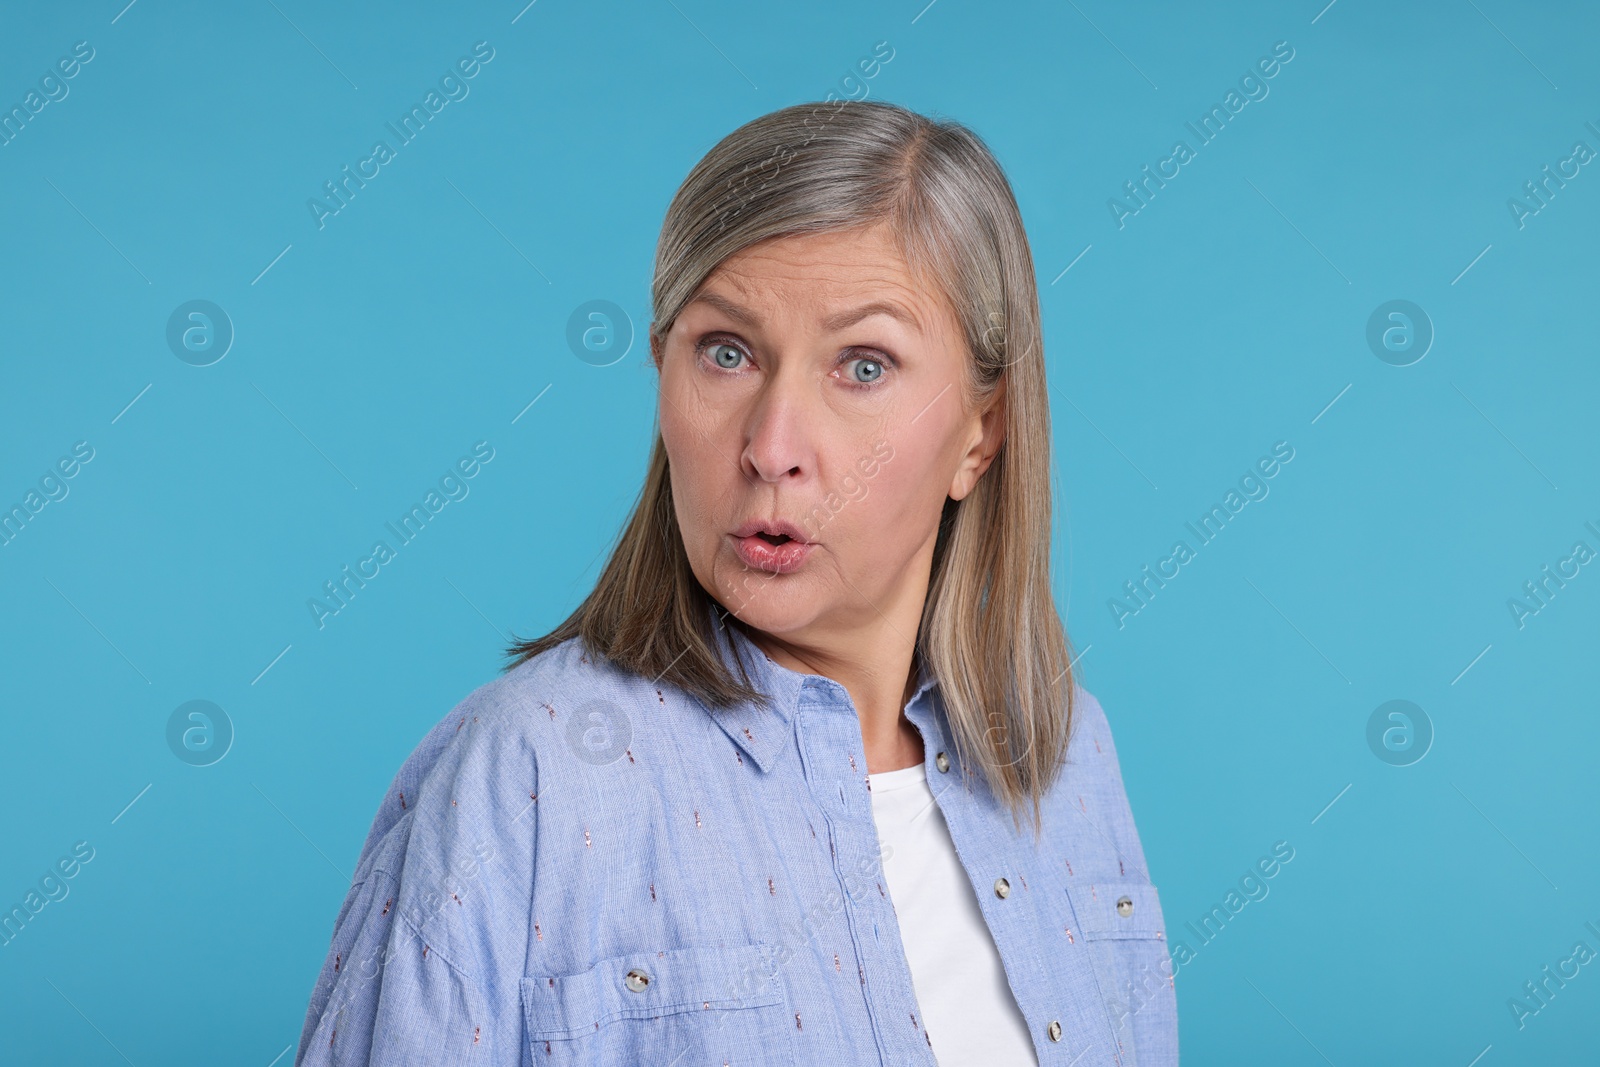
(820, 272)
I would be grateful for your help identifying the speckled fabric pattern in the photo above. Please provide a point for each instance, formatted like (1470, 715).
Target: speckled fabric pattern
(580, 866)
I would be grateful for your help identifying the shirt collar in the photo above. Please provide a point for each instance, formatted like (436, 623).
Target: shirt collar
(762, 732)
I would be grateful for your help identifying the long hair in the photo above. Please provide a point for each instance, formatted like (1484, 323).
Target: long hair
(989, 630)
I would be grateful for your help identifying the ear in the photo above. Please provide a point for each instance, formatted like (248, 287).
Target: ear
(655, 348)
(987, 433)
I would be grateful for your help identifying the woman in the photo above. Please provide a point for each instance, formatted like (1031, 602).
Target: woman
(759, 799)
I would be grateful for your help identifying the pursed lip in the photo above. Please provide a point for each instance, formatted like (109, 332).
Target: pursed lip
(776, 527)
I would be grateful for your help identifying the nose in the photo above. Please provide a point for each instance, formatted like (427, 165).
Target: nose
(778, 431)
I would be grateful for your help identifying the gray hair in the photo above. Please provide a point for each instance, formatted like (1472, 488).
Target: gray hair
(989, 632)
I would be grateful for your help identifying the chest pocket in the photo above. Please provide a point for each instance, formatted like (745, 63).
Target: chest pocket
(683, 1007)
(1121, 925)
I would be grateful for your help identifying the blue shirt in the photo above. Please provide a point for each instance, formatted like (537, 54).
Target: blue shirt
(581, 866)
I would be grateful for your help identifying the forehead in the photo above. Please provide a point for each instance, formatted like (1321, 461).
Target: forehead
(834, 279)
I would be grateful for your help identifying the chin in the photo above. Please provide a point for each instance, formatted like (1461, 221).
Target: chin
(773, 618)
(774, 604)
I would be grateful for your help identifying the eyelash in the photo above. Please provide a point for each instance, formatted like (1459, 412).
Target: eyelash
(884, 360)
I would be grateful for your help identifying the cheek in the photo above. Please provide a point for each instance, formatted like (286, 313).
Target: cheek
(683, 433)
(687, 469)
(901, 500)
(700, 478)
(690, 427)
(898, 504)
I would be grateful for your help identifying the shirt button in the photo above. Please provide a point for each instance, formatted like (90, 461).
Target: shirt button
(1002, 888)
(637, 980)
(942, 761)
(1124, 907)
(1055, 1030)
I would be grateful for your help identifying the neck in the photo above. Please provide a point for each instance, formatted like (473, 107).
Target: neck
(873, 655)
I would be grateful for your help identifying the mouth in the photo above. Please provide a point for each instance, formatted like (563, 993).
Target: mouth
(771, 545)
(772, 531)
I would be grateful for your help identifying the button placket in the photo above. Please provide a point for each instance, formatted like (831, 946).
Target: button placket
(829, 737)
(981, 841)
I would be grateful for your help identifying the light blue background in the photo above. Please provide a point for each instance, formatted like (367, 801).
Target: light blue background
(426, 315)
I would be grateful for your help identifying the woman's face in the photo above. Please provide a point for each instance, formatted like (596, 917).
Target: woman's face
(811, 408)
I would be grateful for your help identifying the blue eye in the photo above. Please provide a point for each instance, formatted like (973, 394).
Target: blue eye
(725, 355)
(867, 371)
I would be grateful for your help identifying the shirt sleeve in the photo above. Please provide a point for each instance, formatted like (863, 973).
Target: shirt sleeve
(1124, 834)
(428, 950)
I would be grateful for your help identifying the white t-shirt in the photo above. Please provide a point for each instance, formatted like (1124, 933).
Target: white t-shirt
(967, 1008)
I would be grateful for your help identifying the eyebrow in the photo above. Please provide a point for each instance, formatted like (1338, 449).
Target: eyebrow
(833, 323)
